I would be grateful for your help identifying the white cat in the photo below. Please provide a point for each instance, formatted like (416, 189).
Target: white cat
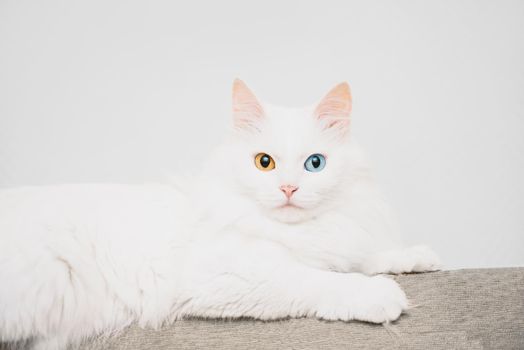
(285, 220)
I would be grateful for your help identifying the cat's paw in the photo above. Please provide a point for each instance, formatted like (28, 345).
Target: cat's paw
(382, 301)
(413, 259)
(421, 259)
(377, 300)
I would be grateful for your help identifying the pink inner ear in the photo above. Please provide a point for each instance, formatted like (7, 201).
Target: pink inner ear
(246, 108)
(335, 107)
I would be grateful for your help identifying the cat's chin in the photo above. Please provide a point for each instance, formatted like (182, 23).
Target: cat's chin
(290, 214)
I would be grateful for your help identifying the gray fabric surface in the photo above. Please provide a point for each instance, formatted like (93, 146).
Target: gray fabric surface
(462, 309)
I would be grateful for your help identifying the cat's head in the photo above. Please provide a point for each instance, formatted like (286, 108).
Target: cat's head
(291, 162)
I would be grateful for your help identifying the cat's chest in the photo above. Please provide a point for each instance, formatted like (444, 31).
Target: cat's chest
(333, 242)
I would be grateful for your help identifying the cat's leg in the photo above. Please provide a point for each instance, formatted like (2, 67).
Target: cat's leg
(51, 343)
(413, 259)
(269, 285)
(54, 301)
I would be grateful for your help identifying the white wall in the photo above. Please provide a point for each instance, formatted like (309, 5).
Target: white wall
(129, 91)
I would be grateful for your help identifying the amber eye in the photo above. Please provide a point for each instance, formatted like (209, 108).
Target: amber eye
(264, 162)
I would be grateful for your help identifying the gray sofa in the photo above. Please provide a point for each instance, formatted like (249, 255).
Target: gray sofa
(461, 309)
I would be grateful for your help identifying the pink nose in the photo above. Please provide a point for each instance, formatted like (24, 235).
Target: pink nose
(288, 190)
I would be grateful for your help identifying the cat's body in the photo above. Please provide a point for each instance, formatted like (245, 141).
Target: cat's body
(236, 241)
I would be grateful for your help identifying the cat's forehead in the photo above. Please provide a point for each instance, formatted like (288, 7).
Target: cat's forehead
(290, 130)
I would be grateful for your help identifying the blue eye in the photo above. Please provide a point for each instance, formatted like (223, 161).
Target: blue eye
(315, 162)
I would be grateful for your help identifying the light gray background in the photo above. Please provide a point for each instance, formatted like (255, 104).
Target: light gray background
(126, 91)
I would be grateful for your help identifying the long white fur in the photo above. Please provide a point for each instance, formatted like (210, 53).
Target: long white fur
(84, 260)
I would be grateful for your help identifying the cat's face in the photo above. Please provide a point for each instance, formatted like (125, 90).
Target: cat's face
(290, 161)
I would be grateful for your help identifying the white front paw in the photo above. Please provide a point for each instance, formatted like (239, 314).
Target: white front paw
(423, 259)
(377, 299)
(382, 301)
(413, 259)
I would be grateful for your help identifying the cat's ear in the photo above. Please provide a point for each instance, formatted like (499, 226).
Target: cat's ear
(247, 111)
(334, 109)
